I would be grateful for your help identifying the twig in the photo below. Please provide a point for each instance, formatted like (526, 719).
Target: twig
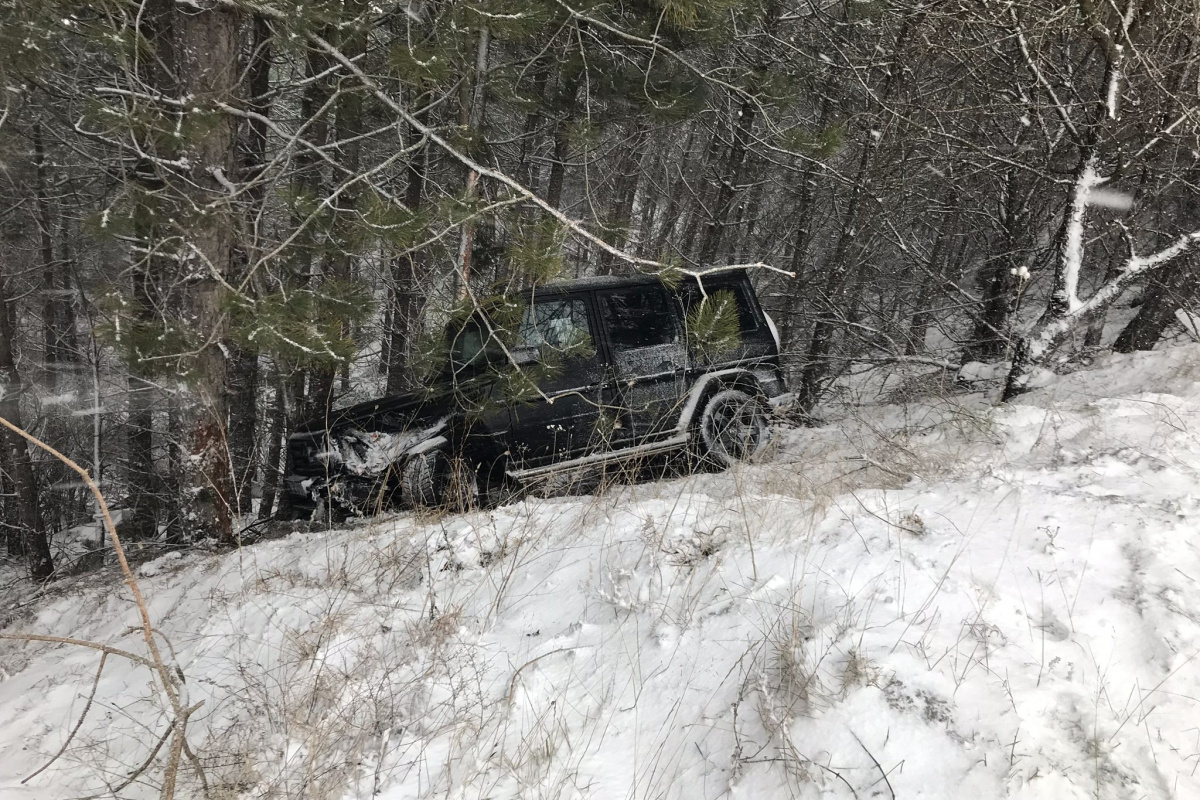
(512, 685)
(177, 725)
(137, 773)
(876, 762)
(86, 707)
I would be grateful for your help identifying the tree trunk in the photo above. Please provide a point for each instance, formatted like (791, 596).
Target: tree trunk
(273, 469)
(729, 183)
(34, 542)
(625, 192)
(1095, 331)
(308, 180)
(749, 213)
(654, 248)
(694, 213)
(1176, 286)
(562, 142)
(1165, 294)
(243, 426)
(243, 387)
(1061, 314)
(149, 265)
(527, 165)
(292, 387)
(833, 293)
(923, 316)
(209, 49)
(49, 289)
(143, 515)
(649, 206)
(9, 519)
(172, 507)
(472, 111)
(54, 473)
(794, 288)
(339, 264)
(405, 313)
(408, 270)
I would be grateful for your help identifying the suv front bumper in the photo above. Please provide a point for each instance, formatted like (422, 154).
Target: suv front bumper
(782, 403)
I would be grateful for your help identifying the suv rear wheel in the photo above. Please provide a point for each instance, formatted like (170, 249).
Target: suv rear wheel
(733, 427)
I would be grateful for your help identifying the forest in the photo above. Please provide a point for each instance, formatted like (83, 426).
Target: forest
(219, 218)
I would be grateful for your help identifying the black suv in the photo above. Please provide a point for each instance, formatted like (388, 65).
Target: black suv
(583, 375)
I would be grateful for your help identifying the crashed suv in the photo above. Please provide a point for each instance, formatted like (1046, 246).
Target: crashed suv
(567, 380)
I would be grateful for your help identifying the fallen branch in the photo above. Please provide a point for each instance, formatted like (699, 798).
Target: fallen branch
(155, 662)
(104, 648)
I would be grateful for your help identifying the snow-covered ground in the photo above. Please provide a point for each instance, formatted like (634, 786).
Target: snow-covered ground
(938, 599)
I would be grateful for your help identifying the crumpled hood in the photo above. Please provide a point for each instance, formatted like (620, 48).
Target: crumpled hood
(394, 413)
(368, 453)
(366, 439)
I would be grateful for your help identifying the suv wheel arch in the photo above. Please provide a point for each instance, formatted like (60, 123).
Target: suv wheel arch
(708, 385)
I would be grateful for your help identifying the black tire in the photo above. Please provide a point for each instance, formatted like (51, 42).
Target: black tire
(732, 428)
(437, 479)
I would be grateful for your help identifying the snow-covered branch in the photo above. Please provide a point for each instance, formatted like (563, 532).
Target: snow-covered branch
(1135, 266)
(1067, 286)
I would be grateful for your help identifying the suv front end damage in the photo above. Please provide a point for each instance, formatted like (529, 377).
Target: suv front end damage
(355, 468)
(357, 462)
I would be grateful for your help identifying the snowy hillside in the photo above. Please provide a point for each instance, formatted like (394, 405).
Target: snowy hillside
(941, 599)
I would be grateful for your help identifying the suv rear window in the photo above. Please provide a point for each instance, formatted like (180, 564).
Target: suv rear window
(690, 296)
(640, 317)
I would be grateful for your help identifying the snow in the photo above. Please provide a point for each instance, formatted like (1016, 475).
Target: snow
(939, 599)
(60, 399)
(1089, 180)
(975, 371)
(1190, 323)
(1111, 198)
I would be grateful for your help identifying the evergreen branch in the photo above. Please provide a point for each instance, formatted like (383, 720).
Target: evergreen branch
(577, 227)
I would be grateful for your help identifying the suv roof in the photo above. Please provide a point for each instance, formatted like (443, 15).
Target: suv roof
(619, 281)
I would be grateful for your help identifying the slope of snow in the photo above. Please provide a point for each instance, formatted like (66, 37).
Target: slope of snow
(942, 599)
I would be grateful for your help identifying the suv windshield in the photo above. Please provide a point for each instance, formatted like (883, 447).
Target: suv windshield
(471, 346)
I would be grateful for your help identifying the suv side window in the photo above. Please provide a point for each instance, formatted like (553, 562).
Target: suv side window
(558, 326)
(639, 317)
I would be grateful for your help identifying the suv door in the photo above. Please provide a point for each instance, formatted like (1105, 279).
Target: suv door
(648, 360)
(568, 371)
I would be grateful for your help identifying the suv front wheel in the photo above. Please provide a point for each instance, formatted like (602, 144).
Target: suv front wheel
(439, 479)
(732, 427)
